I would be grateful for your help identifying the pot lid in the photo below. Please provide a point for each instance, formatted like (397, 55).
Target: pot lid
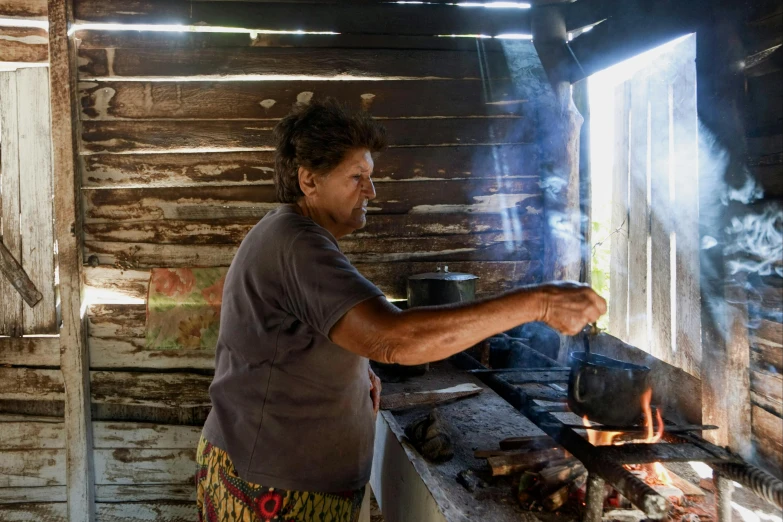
(443, 275)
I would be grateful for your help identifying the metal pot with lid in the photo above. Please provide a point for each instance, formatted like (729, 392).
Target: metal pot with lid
(430, 289)
(441, 287)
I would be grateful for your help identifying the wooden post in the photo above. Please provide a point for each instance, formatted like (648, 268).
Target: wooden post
(74, 361)
(582, 103)
(559, 145)
(719, 93)
(560, 124)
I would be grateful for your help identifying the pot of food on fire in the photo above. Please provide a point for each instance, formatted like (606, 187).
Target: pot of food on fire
(606, 390)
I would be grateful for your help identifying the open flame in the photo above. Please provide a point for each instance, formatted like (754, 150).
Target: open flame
(657, 473)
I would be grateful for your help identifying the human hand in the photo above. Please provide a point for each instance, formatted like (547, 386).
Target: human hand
(375, 391)
(568, 306)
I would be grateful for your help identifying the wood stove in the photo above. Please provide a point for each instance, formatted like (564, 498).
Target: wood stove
(605, 464)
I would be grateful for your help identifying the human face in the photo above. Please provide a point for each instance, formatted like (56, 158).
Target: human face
(339, 201)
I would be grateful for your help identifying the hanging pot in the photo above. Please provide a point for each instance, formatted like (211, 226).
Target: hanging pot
(606, 390)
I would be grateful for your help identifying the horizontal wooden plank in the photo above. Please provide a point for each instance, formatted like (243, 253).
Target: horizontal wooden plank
(132, 352)
(257, 167)
(30, 351)
(102, 39)
(205, 136)
(116, 285)
(116, 320)
(477, 247)
(391, 278)
(31, 435)
(766, 427)
(25, 468)
(168, 511)
(233, 231)
(22, 417)
(200, 203)
(164, 390)
(144, 466)
(761, 400)
(770, 331)
(36, 512)
(494, 277)
(273, 99)
(15, 410)
(30, 494)
(145, 492)
(31, 384)
(29, 9)
(407, 19)
(136, 413)
(119, 435)
(24, 44)
(769, 386)
(327, 63)
(765, 356)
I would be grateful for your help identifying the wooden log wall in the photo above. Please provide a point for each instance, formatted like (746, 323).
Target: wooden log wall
(762, 36)
(175, 163)
(177, 169)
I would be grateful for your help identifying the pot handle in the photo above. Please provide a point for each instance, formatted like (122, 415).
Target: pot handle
(577, 394)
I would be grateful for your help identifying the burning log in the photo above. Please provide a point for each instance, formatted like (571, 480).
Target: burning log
(555, 500)
(510, 464)
(557, 474)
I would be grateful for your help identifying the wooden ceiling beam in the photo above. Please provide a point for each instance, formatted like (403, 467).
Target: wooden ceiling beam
(392, 19)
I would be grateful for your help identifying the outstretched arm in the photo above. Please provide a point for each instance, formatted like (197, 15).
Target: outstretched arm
(378, 330)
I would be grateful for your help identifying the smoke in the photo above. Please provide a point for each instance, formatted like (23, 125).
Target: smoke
(758, 239)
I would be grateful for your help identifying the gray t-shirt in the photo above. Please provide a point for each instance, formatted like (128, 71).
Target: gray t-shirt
(291, 408)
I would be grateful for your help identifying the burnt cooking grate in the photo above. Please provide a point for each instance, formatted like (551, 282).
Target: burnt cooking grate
(605, 463)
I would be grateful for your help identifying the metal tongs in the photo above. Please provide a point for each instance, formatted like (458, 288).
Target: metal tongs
(589, 331)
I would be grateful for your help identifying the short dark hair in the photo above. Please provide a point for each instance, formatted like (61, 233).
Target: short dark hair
(318, 136)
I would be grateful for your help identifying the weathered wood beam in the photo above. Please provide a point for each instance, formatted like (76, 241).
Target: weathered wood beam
(630, 28)
(724, 337)
(361, 18)
(80, 473)
(11, 305)
(18, 278)
(28, 9)
(24, 45)
(559, 155)
(30, 351)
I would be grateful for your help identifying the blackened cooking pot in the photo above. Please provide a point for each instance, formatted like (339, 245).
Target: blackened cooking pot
(606, 390)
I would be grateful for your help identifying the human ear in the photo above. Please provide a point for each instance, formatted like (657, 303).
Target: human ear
(307, 181)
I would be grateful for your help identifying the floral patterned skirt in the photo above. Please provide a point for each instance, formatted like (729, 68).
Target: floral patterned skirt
(224, 497)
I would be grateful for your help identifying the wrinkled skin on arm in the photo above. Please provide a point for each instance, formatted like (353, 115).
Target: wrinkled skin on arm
(378, 330)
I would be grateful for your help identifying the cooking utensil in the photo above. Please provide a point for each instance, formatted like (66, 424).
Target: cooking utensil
(441, 287)
(606, 390)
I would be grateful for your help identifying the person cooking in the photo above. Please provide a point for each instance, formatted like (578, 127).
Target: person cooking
(290, 434)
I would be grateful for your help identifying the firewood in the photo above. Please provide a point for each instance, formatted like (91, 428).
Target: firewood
(555, 500)
(487, 453)
(528, 483)
(509, 464)
(554, 476)
(688, 489)
(401, 401)
(528, 443)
